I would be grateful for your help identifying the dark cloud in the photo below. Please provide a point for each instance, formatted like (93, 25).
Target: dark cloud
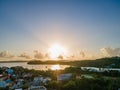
(108, 51)
(38, 55)
(6, 54)
(24, 55)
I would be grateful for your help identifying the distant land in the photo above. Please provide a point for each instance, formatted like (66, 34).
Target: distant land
(11, 61)
(111, 62)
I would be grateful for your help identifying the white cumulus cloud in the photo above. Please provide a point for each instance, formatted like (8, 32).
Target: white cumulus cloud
(6, 54)
(38, 54)
(108, 51)
(24, 55)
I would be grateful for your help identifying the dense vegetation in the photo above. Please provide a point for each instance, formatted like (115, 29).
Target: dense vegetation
(85, 84)
(102, 62)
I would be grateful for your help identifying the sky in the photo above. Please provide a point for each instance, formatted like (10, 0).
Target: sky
(87, 29)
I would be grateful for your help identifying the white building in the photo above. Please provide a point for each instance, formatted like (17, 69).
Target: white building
(87, 76)
(93, 69)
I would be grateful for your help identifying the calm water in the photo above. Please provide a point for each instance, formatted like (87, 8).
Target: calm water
(36, 67)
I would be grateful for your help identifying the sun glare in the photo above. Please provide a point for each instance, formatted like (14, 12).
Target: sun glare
(56, 50)
(55, 67)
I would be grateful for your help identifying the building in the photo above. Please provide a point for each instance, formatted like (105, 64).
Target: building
(3, 84)
(45, 80)
(64, 77)
(37, 88)
(10, 71)
(19, 89)
(87, 76)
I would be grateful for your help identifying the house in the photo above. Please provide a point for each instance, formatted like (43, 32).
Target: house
(3, 77)
(64, 77)
(78, 76)
(19, 89)
(37, 88)
(92, 69)
(27, 75)
(87, 76)
(20, 83)
(8, 81)
(3, 84)
(10, 71)
(17, 85)
(37, 81)
(45, 80)
(4, 68)
(14, 86)
(38, 78)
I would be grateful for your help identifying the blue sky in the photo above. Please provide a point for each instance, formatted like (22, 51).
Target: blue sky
(79, 25)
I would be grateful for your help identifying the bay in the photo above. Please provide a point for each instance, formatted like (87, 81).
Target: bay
(36, 67)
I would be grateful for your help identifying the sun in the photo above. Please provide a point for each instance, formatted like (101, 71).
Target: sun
(57, 50)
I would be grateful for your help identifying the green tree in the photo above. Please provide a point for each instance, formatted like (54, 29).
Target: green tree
(70, 86)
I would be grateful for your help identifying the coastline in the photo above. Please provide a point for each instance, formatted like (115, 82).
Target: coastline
(12, 61)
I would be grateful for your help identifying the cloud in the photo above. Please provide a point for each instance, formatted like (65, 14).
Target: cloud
(60, 57)
(47, 55)
(24, 55)
(82, 54)
(71, 57)
(6, 54)
(108, 51)
(38, 55)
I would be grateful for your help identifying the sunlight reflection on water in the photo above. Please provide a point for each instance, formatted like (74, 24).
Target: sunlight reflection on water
(55, 67)
(36, 67)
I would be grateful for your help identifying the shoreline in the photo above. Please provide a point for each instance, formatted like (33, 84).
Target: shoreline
(12, 61)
